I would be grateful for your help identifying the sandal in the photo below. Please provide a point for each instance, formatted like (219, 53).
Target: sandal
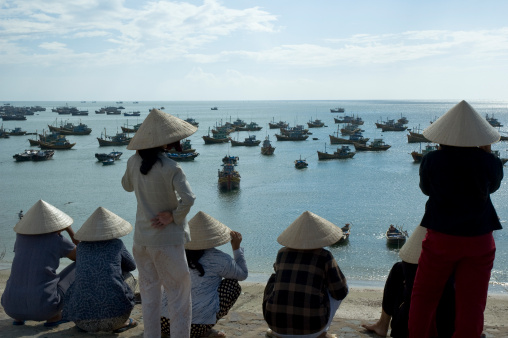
(132, 323)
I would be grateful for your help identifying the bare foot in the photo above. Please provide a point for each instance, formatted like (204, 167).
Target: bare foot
(378, 328)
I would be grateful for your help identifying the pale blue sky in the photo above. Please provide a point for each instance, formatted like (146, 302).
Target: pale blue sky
(253, 50)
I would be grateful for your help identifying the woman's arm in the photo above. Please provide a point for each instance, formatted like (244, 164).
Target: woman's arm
(186, 195)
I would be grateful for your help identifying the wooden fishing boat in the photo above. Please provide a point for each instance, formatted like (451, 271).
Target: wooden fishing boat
(134, 113)
(292, 137)
(267, 148)
(186, 147)
(71, 129)
(346, 231)
(228, 177)
(417, 156)
(337, 110)
(341, 153)
(17, 131)
(24, 156)
(215, 138)
(493, 121)
(60, 144)
(108, 161)
(301, 163)
(376, 145)
(214, 108)
(414, 137)
(356, 137)
(349, 119)
(192, 121)
(278, 125)
(115, 155)
(134, 129)
(316, 124)
(43, 155)
(120, 139)
(249, 142)
(252, 126)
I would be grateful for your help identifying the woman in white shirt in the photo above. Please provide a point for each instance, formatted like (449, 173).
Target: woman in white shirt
(214, 275)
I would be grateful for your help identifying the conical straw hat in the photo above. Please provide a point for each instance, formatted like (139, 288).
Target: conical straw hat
(462, 126)
(42, 218)
(207, 232)
(411, 250)
(310, 231)
(103, 225)
(159, 129)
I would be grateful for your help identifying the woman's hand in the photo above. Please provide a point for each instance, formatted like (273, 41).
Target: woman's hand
(236, 239)
(163, 218)
(71, 235)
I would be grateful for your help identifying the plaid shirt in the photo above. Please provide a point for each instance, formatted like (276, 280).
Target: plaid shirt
(295, 301)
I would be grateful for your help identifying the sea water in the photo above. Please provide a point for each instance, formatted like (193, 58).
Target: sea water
(370, 191)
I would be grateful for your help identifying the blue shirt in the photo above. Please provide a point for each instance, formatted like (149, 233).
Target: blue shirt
(31, 292)
(99, 291)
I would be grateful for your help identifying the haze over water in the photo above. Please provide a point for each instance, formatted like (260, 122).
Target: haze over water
(370, 191)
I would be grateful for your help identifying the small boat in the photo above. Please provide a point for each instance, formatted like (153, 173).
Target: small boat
(13, 117)
(377, 145)
(316, 124)
(356, 137)
(134, 113)
(24, 156)
(395, 237)
(346, 231)
(115, 155)
(120, 139)
(293, 136)
(215, 138)
(192, 121)
(267, 148)
(301, 163)
(349, 119)
(417, 156)
(71, 129)
(350, 129)
(182, 157)
(80, 113)
(278, 125)
(229, 178)
(131, 130)
(341, 153)
(214, 108)
(253, 126)
(43, 155)
(249, 142)
(415, 137)
(403, 120)
(337, 110)
(235, 124)
(59, 144)
(185, 146)
(391, 125)
(17, 131)
(493, 121)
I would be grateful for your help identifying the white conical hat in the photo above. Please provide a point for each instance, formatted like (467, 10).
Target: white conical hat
(310, 231)
(42, 218)
(462, 126)
(206, 232)
(159, 129)
(411, 250)
(103, 225)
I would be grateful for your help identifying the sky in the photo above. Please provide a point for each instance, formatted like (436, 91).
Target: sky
(253, 50)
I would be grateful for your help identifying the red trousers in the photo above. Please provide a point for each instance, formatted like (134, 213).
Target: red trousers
(471, 258)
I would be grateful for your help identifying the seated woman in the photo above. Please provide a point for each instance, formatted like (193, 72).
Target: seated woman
(102, 296)
(397, 295)
(34, 291)
(214, 275)
(306, 290)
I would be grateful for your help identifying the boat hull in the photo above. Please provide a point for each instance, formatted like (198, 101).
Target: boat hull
(291, 138)
(267, 150)
(211, 140)
(335, 156)
(339, 140)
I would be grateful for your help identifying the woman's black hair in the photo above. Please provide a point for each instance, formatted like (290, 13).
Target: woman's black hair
(193, 257)
(149, 156)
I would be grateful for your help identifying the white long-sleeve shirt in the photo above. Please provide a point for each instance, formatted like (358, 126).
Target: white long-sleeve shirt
(164, 188)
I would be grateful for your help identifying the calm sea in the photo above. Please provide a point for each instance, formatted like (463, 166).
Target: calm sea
(370, 191)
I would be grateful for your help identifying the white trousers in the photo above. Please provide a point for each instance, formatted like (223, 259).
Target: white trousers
(164, 266)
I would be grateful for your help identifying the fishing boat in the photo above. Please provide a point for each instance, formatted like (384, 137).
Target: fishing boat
(391, 125)
(293, 136)
(17, 131)
(337, 110)
(395, 236)
(415, 137)
(134, 113)
(108, 161)
(278, 125)
(34, 155)
(350, 129)
(185, 147)
(252, 126)
(249, 142)
(316, 124)
(493, 121)
(43, 155)
(215, 138)
(235, 124)
(214, 108)
(59, 144)
(341, 153)
(80, 113)
(229, 178)
(296, 129)
(417, 156)
(131, 130)
(120, 139)
(377, 145)
(115, 155)
(24, 156)
(403, 120)
(71, 129)
(182, 157)
(13, 117)
(301, 163)
(267, 148)
(192, 121)
(356, 137)
(349, 119)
